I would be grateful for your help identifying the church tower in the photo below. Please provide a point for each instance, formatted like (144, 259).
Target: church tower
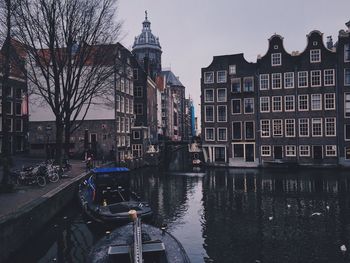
(147, 50)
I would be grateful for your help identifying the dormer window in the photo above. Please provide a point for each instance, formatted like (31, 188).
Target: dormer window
(276, 59)
(232, 69)
(208, 77)
(315, 55)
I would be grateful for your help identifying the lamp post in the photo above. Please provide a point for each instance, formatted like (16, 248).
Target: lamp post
(48, 130)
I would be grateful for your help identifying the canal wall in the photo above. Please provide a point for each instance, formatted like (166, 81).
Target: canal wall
(17, 228)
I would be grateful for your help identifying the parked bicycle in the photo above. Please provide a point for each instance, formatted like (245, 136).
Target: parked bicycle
(29, 176)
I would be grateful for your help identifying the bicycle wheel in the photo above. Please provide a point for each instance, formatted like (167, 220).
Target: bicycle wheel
(41, 181)
(53, 178)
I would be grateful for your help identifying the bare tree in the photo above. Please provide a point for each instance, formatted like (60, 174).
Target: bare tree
(70, 56)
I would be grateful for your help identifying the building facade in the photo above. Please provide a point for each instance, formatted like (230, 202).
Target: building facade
(283, 109)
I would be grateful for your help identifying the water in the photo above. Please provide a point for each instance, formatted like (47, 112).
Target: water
(227, 215)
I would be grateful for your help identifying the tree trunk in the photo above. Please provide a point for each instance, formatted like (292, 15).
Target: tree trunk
(67, 135)
(59, 139)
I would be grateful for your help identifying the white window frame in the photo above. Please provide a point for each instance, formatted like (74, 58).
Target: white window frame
(276, 59)
(136, 132)
(326, 99)
(274, 121)
(347, 52)
(232, 69)
(299, 102)
(117, 119)
(302, 77)
(274, 78)
(240, 85)
(331, 150)
(217, 113)
(315, 55)
(217, 95)
(267, 102)
(245, 99)
(290, 76)
(240, 130)
(312, 98)
(290, 150)
(205, 113)
(265, 150)
(240, 107)
(286, 127)
(206, 138)
(286, 101)
(300, 127)
(224, 80)
(243, 86)
(345, 83)
(205, 95)
(328, 121)
(245, 130)
(329, 73)
(301, 151)
(218, 133)
(206, 78)
(262, 81)
(313, 122)
(318, 77)
(265, 128)
(280, 103)
(345, 108)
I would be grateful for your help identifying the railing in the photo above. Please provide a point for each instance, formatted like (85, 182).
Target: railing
(137, 242)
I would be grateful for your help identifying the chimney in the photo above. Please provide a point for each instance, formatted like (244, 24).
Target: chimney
(329, 42)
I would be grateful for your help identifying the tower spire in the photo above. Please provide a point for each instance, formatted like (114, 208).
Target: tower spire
(146, 15)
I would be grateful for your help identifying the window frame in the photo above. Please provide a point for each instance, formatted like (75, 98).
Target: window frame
(311, 98)
(286, 128)
(291, 77)
(308, 151)
(263, 104)
(327, 151)
(285, 103)
(205, 113)
(274, 134)
(267, 149)
(325, 75)
(241, 130)
(217, 95)
(224, 80)
(307, 102)
(280, 103)
(274, 79)
(218, 134)
(276, 59)
(287, 151)
(261, 81)
(325, 101)
(207, 73)
(334, 122)
(240, 106)
(319, 77)
(265, 133)
(205, 95)
(300, 127)
(213, 130)
(244, 105)
(302, 77)
(313, 122)
(317, 53)
(217, 113)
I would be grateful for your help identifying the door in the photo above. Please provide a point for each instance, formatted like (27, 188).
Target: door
(249, 152)
(317, 152)
(277, 151)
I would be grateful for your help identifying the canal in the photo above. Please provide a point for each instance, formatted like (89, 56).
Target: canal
(224, 215)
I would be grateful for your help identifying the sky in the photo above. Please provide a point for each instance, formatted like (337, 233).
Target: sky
(191, 32)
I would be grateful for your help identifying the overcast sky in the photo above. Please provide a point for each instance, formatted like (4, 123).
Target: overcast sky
(191, 32)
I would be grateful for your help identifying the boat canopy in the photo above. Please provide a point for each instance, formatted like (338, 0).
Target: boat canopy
(105, 170)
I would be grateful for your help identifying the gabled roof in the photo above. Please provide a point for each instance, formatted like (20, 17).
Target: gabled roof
(171, 79)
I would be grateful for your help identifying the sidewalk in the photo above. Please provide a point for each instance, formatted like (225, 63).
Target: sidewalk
(13, 202)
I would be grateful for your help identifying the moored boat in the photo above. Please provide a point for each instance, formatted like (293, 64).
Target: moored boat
(138, 243)
(106, 196)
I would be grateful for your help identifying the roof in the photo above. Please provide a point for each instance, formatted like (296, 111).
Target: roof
(110, 170)
(171, 79)
(146, 39)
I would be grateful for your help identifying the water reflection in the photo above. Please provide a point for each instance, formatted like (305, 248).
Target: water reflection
(229, 215)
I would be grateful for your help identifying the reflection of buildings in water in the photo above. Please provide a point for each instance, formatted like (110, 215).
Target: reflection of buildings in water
(268, 213)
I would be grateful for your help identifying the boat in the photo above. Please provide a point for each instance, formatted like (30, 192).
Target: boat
(106, 196)
(138, 243)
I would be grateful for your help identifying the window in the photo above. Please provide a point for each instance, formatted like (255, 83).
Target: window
(330, 126)
(302, 79)
(138, 108)
(18, 93)
(277, 128)
(264, 104)
(220, 154)
(208, 95)
(222, 76)
(289, 103)
(9, 108)
(18, 109)
(127, 125)
(238, 150)
(131, 106)
(136, 135)
(315, 78)
(249, 105)
(347, 52)
(127, 86)
(209, 134)
(347, 76)
(117, 120)
(137, 150)
(276, 59)
(222, 113)
(209, 113)
(248, 84)
(222, 134)
(138, 91)
(346, 131)
(249, 130)
(236, 106)
(304, 127)
(303, 102)
(237, 130)
(289, 80)
(221, 93)
(232, 69)
(277, 104)
(264, 81)
(328, 76)
(290, 127)
(317, 127)
(208, 77)
(291, 150)
(126, 105)
(122, 124)
(265, 128)
(136, 74)
(18, 125)
(331, 150)
(316, 102)
(122, 106)
(304, 150)
(236, 85)
(347, 105)
(122, 85)
(329, 101)
(315, 55)
(265, 150)
(276, 80)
